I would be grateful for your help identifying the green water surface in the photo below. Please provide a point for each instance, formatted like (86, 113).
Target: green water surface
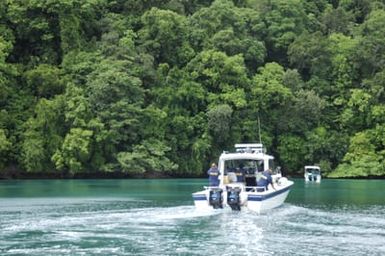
(157, 217)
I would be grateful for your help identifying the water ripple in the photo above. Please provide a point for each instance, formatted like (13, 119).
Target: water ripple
(134, 227)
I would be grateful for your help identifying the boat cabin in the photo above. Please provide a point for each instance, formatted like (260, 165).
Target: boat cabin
(244, 165)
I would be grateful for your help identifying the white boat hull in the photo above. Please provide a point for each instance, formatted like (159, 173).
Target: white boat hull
(258, 202)
(262, 204)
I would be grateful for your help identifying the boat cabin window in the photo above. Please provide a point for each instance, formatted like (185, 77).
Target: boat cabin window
(314, 171)
(242, 169)
(247, 166)
(260, 166)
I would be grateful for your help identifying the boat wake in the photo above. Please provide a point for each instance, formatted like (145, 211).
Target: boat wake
(132, 227)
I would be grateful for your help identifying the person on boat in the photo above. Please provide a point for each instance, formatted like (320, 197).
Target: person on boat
(213, 173)
(240, 173)
(266, 179)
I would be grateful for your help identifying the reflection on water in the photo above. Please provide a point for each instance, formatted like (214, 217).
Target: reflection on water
(338, 192)
(155, 220)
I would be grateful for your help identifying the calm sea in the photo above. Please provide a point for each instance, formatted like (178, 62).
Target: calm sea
(157, 217)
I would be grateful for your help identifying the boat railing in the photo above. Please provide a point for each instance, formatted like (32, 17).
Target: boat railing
(211, 187)
(247, 188)
(255, 189)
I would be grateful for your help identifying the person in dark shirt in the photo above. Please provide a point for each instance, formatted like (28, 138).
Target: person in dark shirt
(213, 173)
(266, 179)
(240, 173)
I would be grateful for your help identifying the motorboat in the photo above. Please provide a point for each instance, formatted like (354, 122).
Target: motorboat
(240, 172)
(312, 173)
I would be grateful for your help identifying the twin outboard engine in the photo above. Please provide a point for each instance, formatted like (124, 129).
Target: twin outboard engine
(215, 198)
(312, 177)
(234, 199)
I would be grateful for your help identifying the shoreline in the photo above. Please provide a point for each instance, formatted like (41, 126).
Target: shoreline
(23, 175)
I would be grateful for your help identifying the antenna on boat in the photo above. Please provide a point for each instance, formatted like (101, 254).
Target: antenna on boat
(259, 130)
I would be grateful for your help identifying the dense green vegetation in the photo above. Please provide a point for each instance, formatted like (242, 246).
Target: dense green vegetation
(141, 86)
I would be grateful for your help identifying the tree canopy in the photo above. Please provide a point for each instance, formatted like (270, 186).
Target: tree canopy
(165, 86)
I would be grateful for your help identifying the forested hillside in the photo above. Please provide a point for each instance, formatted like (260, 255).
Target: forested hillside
(140, 86)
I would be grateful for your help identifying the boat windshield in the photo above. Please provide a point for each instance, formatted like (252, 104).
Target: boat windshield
(246, 166)
(313, 171)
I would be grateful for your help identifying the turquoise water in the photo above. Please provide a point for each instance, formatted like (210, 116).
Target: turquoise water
(157, 217)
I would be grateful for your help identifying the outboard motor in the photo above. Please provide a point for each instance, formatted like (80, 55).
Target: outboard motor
(234, 199)
(215, 198)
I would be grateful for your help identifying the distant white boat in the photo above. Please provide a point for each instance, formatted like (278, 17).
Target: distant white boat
(239, 172)
(312, 173)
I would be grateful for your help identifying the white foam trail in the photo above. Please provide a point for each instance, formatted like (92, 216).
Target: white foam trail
(122, 227)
